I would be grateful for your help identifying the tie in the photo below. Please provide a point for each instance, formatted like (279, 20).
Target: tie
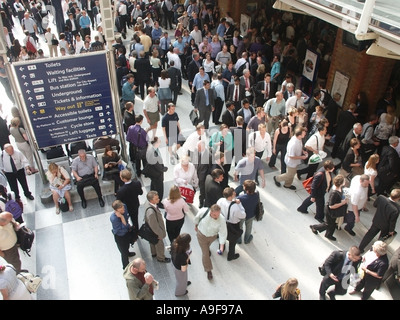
(236, 93)
(247, 83)
(266, 90)
(165, 45)
(14, 168)
(207, 101)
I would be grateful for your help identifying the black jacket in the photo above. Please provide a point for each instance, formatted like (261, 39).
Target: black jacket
(213, 191)
(387, 213)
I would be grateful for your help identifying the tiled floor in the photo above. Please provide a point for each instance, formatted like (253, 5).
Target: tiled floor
(77, 257)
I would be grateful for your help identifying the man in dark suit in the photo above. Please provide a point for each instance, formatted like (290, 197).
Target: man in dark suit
(385, 218)
(355, 132)
(312, 105)
(388, 166)
(228, 116)
(236, 93)
(143, 73)
(129, 194)
(213, 188)
(202, 161)
(176, 81)
(337, 267)
(264, 90)
(72, 24)
(248, 82)
(219, 159)
(246, 111)
(345, 122)
(191, 70)
(240, 139)
(204, 103)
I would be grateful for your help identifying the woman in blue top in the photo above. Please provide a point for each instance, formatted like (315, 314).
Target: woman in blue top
(122, 230)
(249, 200)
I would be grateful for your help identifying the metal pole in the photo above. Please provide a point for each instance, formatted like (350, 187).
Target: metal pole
(361, 32)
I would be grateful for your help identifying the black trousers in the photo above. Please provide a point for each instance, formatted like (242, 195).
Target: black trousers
(329, 226)
(369, 283)
(234, 233)
(123, 243)
(80, 185)
(327, 282)
(219, 103)
(157, 184)
(370, 235)
(14, 178)
(174, 228)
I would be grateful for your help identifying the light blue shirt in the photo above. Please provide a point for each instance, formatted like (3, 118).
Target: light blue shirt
(156, 33)
(180, 46)
(84, 22)
(276, 68)
(221, 29)
(219, 89)
(198, 80)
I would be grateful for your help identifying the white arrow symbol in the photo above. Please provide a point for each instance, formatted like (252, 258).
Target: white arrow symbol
(32, 105)
(111, 131)
(23, 76)
(108, 113)
(110, 125)
(21, 69)
(26, 84)
(109, 119)
(28, 91)
(30, 98)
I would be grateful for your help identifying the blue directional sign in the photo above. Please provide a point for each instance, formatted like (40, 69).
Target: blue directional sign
(67, 99)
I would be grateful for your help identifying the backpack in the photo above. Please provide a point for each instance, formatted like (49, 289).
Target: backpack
(12, 206)
(25, 237)
(239, 71)
(30, 47)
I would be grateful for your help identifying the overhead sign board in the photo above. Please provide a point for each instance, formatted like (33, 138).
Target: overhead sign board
(67, 99)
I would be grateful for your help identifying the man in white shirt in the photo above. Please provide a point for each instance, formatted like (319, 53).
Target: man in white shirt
(296, 101)
(241, 61)
(359, 196)
(275, 111)
(210, 224)
(294, 155)
(261, 141)
(196, 35)
(233, 212)
(193, 139)
(314, 145)
(14, 165)
(174, 56)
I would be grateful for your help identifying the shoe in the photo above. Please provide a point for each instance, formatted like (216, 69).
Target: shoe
(313, 230)
(71, 208)
(290, 187)
(131, 254)
(166, 260)
(299, 176)
(353, 292)
(331, 295)
(30, 197)
(101, 201)
(322, 297)
(237, 255)
(154, 255)
(209, 275)
(57, 210)
(181, 295)
(276, 182)
(34, 171)
(351, 232)
(319, 220)
(188, 283)
(332, 238)
(248, 240)
(239, 241)
(365, 209)
(84, 204)
(172, 160)
(298, 209)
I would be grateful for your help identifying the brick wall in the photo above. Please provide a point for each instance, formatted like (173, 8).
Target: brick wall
(367, 73)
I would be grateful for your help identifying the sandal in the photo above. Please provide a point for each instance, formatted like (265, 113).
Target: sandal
(57, 210)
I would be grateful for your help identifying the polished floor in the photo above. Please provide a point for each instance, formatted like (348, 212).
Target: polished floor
(76, 255)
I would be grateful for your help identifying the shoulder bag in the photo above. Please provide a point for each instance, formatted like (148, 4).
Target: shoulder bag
(146, 233)
(259, 209)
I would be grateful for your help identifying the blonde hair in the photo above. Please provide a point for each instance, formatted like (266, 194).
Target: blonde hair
(289, 289)
(372, 161)
(174, 194)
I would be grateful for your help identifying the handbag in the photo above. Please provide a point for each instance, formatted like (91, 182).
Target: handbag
(54, 42)
(194, 117)
(259, 210)
(146, 233)
(388, 238)
(308, 183)
(63, 204)
(31, 282)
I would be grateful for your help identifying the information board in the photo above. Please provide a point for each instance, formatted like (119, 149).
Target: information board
(67, 99)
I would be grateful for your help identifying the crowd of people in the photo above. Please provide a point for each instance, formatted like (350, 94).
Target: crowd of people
(267, 113)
